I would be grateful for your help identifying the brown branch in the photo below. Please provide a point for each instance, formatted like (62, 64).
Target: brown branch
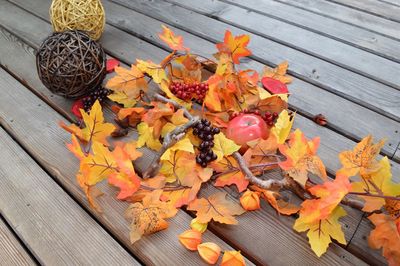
(172, 137)
(265, 184)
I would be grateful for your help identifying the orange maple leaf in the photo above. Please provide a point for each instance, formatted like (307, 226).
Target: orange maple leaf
(235, 45)
(230, 174)
(301, 158)
(386, 236)
(279, 205)
(217, 207)
(149, 216)
(173, 41)
(362, 159)
(278, 73)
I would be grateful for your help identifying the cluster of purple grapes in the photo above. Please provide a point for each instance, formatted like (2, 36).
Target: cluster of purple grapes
(191, 91)
(205, 131)
(98, 94)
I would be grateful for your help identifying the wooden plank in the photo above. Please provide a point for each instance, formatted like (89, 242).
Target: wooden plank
(329, 152)
(12, 251)
(380, 9)
(347, 84)
(301, 39)
(252, 225)
(348, 15)
(356, 36)
(359, 244)
(391, 2)
(34, 205)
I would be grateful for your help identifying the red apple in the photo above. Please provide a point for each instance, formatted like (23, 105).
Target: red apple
(247, 127)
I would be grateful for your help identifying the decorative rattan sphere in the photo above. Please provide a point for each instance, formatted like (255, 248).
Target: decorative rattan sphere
(84, 15)
(71, 64)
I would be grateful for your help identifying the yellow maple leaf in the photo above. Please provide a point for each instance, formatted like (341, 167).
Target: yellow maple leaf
(278, 73)
(321, 231)
(362, 159)
(182, 145)
(233, 176)
(149, 217)
(157, 72)
(301, 158)
(282, 126)
(223, 146)
(377, 183)
(279, 205)
(100, 164)
(264, 94)
(146, 137)
(95, 129)
(217, 207)
(123, 98)
(174, 42)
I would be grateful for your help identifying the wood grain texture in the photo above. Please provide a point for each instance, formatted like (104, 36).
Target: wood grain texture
(377, 8)
(333, 28)
(250, 222)
(311, 125)
(12, 251)
(347, 84)
(54, 227)
(352, 16)
(336, 52)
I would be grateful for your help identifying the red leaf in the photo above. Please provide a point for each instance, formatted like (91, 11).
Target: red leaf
(78, 104)
(274, 86)
(111, 64)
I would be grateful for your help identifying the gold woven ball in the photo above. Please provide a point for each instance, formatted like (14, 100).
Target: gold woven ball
(84, 15)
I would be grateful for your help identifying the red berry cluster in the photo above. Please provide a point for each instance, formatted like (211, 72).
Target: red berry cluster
(188, 92)
(205, 131)
(268, 117)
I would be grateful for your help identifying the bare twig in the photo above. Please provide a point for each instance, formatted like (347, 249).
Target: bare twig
(265, 184)
(172, 137)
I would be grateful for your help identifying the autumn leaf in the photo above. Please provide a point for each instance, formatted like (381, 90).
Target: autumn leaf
(126, 178)
(182, 145)
(235, 45)
(146, 137)
(230, 174)
(274, 86)
(76, 148)
(111, 64)
(301, 158)
(362, 159)
(212, 100)
(217, 207)
(134, 115)
(123, 98)
(223, 146)
(273, 198)
(385, 236)
(174, 42)
(155, 71)
(149, 217)
(282, 126)
(100, 164)
(130, 81)
(278, 73)
(377, 183)
(321, 231)
(182, 196)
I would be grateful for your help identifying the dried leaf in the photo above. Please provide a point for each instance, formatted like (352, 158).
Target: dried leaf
(174, 42)
(236, 46)
(278, 73)
(223, 146)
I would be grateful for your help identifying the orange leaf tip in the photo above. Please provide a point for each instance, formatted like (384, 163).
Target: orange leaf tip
(250, 200)
(209, 252)
(232, 258)
(190, 239)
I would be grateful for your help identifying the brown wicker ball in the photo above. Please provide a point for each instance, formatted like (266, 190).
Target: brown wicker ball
(71, 64)
(85, 15)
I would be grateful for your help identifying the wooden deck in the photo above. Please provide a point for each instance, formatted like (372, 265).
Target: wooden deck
(344, 56)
